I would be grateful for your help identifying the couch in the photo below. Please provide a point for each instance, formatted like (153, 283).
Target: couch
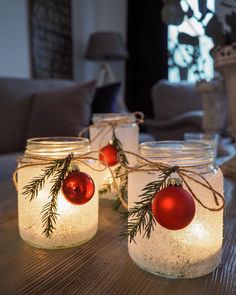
(36, 108)
(177, 109)
(20, 119)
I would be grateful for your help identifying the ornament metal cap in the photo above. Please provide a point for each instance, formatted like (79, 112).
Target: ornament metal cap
(174, 181)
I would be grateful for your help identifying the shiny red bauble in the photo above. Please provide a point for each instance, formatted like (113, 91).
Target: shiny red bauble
(78, 187)
(108, 155)
(173, 207)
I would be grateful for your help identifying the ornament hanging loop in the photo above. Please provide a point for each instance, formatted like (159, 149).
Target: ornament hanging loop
(183, 173)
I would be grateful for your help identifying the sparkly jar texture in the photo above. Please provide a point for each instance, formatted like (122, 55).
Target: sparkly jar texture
(195, 250)
(75, 224)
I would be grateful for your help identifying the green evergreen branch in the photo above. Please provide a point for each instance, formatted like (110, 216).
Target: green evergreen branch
(58, 169)
(106, 188)
(123, 189)
(139, 218)
(32, 189)
(120, 172)
(49, 210)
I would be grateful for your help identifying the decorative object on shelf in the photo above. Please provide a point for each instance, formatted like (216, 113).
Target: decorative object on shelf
(112, 133)
(57, 192)
(161, 240)
(225, 62)
(105, 47)
(215, 106)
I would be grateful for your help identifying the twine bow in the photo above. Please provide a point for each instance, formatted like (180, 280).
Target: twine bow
(184, 173)
(70, 160)
(108, 126)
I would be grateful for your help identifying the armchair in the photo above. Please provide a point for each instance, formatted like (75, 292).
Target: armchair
(177, 109)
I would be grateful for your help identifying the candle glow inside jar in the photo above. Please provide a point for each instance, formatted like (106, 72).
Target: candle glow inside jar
(75, 224)
(126, 130)
(195, 250)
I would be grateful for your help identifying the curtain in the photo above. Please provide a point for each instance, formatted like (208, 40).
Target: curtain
(147, 47)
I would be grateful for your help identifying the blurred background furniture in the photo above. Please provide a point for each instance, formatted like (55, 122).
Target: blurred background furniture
(45, 107)
(177, 109)
(105, 47)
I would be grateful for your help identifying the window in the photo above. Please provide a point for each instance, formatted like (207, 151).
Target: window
(180, 65)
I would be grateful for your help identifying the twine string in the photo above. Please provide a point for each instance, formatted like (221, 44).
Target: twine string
(183, 173)
(112, 124)
(146, 166)
(81, 159)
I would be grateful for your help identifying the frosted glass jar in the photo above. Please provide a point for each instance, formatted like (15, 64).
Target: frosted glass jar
(75, 224)
(195, 250)
(126, 130)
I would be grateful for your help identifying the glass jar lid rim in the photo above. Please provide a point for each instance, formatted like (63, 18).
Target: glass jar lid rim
(113, 117)
(175, 145)
(57, 140)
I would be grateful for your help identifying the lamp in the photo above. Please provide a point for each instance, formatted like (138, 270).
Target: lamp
(105, 46)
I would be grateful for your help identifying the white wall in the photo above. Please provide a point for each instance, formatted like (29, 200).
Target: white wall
(14, 44)
(88, 16)
(96, 15)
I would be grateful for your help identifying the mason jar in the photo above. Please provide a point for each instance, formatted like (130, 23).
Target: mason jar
(192, 251)
(126, 130)
(75, 224)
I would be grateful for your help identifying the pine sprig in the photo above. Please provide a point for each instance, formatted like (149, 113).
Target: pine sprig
(49, 210)
(106, 188)
(139, 218)
(120, 172)
(118, 145)
(32, 189)
(58, 169)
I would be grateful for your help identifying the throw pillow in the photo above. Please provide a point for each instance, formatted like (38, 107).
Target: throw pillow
(105, 99)
(62, 112)
(173, 99)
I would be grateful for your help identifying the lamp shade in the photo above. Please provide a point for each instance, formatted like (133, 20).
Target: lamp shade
(106, 46)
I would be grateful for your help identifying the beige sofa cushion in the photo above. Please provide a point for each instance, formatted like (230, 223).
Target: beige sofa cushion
(63, 112)
(15, 103)
(173, 99)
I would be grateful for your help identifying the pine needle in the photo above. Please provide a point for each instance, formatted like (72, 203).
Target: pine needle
(139, 219)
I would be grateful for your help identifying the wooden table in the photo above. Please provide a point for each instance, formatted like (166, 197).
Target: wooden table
(102, 265)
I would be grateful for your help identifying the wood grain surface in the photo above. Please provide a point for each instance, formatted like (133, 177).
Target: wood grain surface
(102, 265)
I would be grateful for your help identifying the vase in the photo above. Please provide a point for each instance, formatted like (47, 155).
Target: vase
(74, 224)
(215, 108)
(214, 103)
(187, 252)
(225, 63)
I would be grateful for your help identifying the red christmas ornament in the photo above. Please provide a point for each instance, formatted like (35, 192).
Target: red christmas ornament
(108, 155)
(173, 207)
(78, 187)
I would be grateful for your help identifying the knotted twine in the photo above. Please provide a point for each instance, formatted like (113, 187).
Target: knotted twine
(108, 126)
(71, 160)
(184, 173)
